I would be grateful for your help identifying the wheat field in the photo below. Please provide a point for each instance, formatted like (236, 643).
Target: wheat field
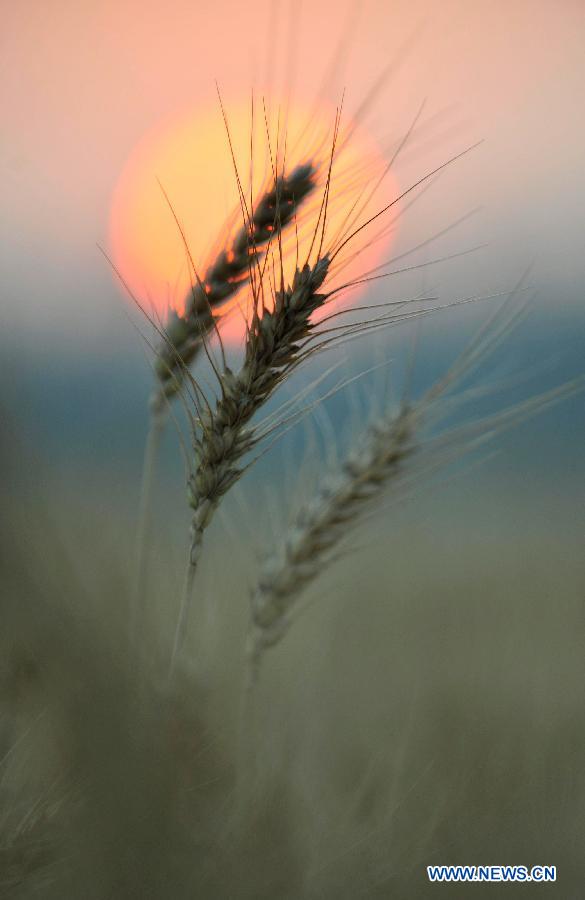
(291, 562)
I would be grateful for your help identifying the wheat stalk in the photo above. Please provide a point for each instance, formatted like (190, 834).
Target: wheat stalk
(378, 460)
(278, 341)
(185, 335)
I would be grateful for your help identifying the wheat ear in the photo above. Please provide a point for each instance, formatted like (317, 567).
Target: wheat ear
(222, 433)
(378, 459)
(322, 523)
(185, 335)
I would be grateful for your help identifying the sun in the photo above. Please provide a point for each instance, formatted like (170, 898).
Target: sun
(177, 201)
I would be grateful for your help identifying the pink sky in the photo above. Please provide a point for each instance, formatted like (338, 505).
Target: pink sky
(82, 82)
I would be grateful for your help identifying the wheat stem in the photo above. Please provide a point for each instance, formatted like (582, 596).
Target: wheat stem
(155, 431)
(181, 626)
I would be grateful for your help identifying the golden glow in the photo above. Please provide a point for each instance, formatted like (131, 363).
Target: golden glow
(189, 157)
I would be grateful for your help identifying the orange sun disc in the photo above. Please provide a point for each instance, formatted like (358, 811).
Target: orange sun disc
(177, 203)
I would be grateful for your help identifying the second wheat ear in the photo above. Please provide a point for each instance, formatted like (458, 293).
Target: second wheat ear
(185, 334)
(388, 454)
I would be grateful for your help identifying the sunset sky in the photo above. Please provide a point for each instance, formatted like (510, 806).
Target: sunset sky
(84, 83)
